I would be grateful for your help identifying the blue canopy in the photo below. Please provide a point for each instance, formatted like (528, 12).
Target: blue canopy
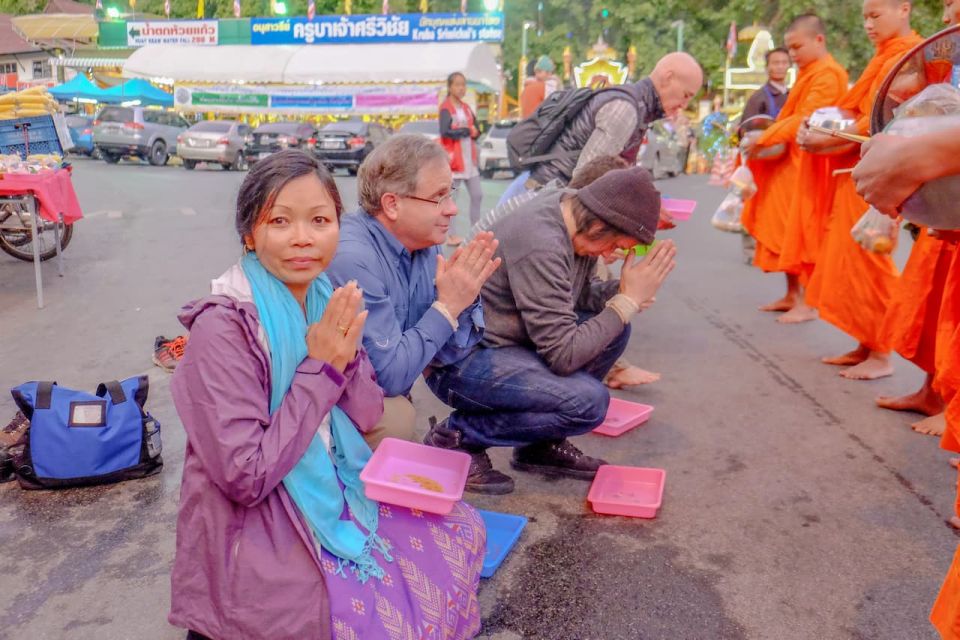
(78, 87)
(138, 89)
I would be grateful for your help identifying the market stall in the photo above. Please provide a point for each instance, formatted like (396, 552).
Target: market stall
(37, 199)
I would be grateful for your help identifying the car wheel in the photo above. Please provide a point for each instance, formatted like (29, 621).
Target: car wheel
(353, 170)
(239, 164)
(486, 173)
(189, 165)
(158, 154)
(95, 154)
(110, 158)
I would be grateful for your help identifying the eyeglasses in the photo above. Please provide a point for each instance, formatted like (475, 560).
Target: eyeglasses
(441, 202)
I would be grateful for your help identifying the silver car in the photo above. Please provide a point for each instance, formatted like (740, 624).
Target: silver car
(137, 131)
(217, 141)
(493, 149)
(428, 128)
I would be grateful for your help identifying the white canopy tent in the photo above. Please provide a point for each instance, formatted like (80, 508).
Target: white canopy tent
(316, 64)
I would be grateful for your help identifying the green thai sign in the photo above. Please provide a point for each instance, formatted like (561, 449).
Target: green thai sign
(210, 99)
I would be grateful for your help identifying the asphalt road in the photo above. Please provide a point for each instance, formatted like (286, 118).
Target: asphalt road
(793, 510)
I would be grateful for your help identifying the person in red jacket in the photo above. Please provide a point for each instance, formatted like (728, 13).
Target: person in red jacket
(458, 135)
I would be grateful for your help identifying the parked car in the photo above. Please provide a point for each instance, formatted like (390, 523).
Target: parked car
(665, 149)
(493, 149)
(217, 141)
(274, 136)
(150, 134)
(347, 143)
(81, 131)
(428, 128)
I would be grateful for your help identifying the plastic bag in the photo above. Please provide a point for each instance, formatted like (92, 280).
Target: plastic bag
(876, 232)
(935, 100)
(727, 215)
(743, 184)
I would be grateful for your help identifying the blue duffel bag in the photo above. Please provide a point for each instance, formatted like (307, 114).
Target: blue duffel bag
(77, 439)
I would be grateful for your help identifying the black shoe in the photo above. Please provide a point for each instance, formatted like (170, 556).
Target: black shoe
(482, 477)
(556, 459)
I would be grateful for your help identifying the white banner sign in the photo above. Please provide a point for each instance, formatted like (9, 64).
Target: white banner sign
(173, 32)
(418, 99)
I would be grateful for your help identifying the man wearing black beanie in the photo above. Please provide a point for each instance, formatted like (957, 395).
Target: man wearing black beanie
(552, 330)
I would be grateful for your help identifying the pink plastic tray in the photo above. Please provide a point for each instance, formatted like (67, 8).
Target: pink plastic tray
(623, 416)
(416, 476)
(679, 209)
(627, 491)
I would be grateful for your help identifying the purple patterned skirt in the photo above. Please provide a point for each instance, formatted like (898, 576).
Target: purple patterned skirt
(428, 592)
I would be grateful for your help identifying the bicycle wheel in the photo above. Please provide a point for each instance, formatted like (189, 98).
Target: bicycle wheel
(19, 242)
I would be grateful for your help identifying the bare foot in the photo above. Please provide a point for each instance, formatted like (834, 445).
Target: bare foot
(630, 377)
(783, 304)
(801, 312)
(932, 426)
(925, 401)
(855, 357)
(874, 367)
(954, 462)
(954, 522)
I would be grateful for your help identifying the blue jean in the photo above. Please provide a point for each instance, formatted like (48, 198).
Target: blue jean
(508, 397)
(518, 186)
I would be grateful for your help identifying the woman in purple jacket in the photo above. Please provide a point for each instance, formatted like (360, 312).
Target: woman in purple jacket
(275, 538)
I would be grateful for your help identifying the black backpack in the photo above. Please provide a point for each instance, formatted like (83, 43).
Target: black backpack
(530, 140)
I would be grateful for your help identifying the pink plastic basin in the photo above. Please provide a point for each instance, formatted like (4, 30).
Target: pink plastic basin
(623, 416)
(627, 491)
(679, 209)
(416, 476)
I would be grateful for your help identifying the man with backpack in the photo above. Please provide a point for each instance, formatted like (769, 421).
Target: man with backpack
(575, 126)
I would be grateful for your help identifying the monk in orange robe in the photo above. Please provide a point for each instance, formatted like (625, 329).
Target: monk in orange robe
(820, 83)
(913, 317)
(881, 180)
(911, 325)
(852, 287)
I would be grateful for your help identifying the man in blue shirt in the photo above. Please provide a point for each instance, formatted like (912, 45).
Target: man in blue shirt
(424, 310)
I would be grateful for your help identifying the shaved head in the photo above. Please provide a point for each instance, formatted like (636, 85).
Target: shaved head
(809, 22)
(677, 77)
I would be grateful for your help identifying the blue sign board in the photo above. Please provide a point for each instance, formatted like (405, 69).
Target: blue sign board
(370, 29)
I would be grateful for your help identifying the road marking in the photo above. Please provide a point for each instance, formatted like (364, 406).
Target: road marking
(187, 211)
(114, 214)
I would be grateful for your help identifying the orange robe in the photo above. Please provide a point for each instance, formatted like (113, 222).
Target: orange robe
(945, 615)
(806, 219)
(852, 287)
(819, 84)
(911, 323)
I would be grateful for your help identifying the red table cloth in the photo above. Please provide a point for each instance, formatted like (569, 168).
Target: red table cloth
(52, 189)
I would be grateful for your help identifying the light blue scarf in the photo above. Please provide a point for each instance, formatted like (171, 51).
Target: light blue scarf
(313, 483)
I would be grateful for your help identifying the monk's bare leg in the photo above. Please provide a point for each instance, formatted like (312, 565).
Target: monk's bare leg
(801, 311)
(933, 426)
(856, 356)
(925, 401)
(788, 301)
(877, 365)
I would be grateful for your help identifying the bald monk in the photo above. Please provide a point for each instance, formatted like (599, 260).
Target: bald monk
(821, 82)
(880, 179)
(852, 287)
(913, 317)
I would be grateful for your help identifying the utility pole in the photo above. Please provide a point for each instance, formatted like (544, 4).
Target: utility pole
(678, 25)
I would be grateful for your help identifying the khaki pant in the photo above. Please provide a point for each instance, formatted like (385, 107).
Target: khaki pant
(398, 421)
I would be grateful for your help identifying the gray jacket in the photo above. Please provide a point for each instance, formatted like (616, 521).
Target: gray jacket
(585, 126)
